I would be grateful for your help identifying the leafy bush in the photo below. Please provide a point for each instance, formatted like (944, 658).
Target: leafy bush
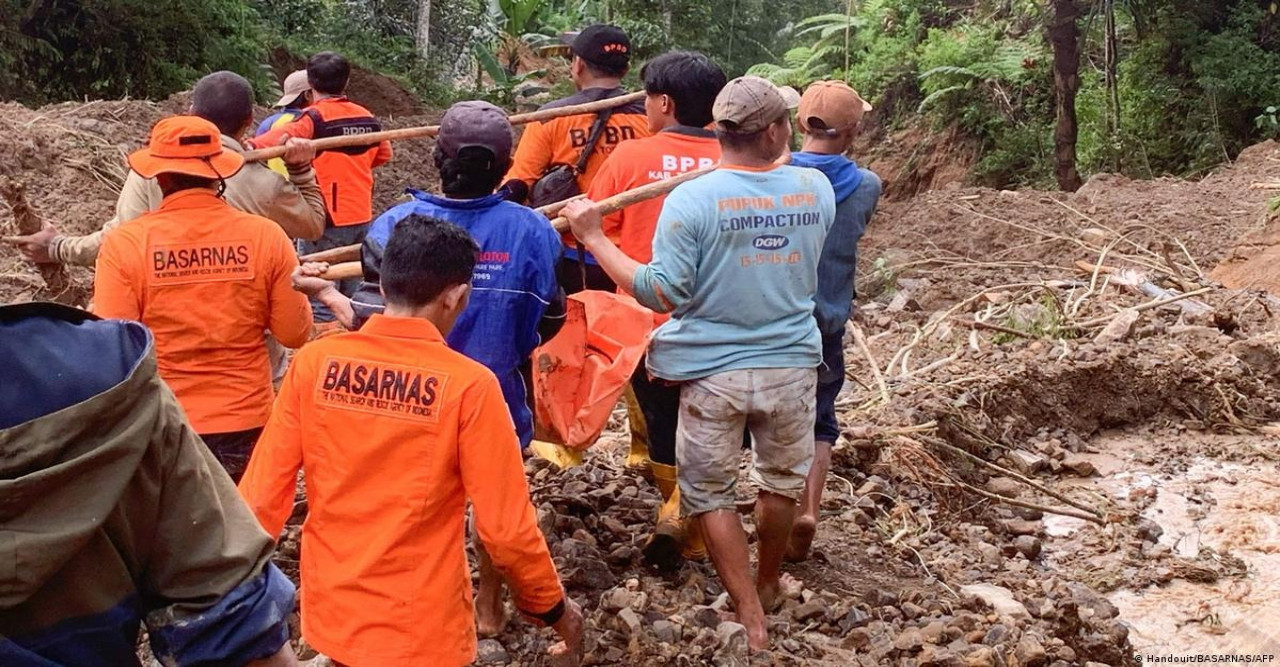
(72, 49)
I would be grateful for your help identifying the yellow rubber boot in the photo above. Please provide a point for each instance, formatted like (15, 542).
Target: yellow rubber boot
(638, 456)
(662, 550)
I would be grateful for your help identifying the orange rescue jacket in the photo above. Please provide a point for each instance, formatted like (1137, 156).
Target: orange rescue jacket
(208, 280)
(394, 432)
(345, 174)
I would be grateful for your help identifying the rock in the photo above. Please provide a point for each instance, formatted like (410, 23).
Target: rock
(591, 573)
(666, 631)
(990, 553)
(1119, 328)
(1004, 486)
(732, 637)
(854, 618)
(1095, 236)
(1030, 652)
(879, 597)
(870, 487)
(490, 652)
(1028, 546)
(616, 599)
(998, 598)
(1149, 530)
(933, 632)
(1079, 467)
(629, 622)
(995, 634)
(912, 610)
(1022, 527)
(1086, 598)
(909, 640)
(857, 639)
(982, 656)
(1026, 462)
(706, 617)
(938, 657)
(811, 610)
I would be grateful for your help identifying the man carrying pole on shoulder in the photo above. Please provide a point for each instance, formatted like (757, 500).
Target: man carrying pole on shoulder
(681, 87)
(735, 259)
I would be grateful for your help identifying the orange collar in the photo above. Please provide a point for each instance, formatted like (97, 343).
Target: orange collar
(741, 167)
(402, 327)
(193, 198)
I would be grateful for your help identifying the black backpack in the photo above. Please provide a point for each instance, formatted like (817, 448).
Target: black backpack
(560, 181)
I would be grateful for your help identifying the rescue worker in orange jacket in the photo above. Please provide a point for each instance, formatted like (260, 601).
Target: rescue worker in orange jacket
(345, 174)
(395, 432)
(601, 58)
(207, 280)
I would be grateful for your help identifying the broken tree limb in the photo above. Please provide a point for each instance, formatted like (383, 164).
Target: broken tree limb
(608, 205)
(1098, 321)
(431, 130)
(56, 280)
(351, 253)
(1016, 476)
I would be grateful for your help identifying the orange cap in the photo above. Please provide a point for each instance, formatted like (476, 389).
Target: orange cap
(185, 145)
(833, 104)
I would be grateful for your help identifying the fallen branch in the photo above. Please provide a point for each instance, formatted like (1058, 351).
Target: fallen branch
(861, 340)
(1015, 475)
(1099, 321)
(371, 138)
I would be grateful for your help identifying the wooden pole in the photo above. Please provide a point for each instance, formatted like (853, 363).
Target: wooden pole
(431, 130)
(617, 202)
(351, 253)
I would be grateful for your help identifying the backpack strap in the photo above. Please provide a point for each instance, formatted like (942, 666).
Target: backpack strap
(597, 129)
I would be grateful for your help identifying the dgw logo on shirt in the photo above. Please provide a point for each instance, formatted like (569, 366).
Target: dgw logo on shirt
(390, 390)
(202, 262)
(770, 242)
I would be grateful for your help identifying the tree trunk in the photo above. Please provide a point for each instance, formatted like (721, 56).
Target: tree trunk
(1064, 35)
(1113, 87)
(422, 36)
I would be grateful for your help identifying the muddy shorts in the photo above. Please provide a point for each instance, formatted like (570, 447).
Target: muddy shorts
(775, 404)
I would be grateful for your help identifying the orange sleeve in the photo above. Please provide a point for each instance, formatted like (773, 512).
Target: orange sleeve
(384, 154)
(114, 294)
(493, 476)
(533, 154)
(270, 482)
(610, 180)
(300, 127)
(290, 313)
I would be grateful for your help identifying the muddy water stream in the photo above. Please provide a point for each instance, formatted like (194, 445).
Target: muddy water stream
(1207, 504)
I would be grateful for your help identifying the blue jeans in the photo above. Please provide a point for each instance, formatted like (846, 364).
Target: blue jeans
(334, 237)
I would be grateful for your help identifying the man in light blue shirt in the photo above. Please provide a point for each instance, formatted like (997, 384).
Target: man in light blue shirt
(735, 260)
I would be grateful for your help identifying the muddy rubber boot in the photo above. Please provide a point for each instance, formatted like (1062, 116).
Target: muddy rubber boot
(695, 549)
(662, 549)
(638, 456)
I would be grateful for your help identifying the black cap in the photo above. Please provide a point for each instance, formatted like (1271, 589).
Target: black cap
(604, 45)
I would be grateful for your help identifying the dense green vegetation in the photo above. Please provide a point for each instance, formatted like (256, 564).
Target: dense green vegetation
(1195, 81)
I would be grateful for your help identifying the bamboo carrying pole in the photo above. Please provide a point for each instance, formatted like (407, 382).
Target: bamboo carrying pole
(617, 202)
(431, 130)
(351, 253)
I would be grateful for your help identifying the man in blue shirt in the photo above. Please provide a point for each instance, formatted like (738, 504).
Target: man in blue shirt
(297, 95)
(830, 112)
(516, 302)
(735, 259)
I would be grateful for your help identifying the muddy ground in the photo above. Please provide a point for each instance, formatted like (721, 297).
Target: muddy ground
(1011, 387)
